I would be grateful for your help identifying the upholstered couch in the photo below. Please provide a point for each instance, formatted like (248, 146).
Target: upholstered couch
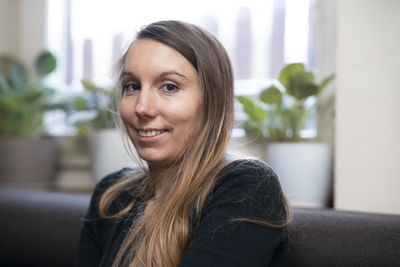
(41, 228)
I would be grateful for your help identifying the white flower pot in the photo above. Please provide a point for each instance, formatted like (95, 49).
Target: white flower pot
(304, 170)
(108, 153)
(244, 146)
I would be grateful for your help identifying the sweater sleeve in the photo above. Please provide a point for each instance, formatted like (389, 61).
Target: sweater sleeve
(249, 190)
(94, 228)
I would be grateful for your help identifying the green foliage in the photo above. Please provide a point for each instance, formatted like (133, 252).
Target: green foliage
(92, 109)
(45, 64)
(280, 115)
(24, 100)
(256, 115)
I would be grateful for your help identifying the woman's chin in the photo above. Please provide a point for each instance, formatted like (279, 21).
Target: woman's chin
(155, 160)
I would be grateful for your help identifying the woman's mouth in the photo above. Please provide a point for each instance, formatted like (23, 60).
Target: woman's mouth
(150, 133)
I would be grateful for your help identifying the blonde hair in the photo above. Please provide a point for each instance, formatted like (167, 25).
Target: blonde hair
(159, 236)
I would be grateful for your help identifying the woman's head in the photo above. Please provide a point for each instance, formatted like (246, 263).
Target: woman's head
(177, 84)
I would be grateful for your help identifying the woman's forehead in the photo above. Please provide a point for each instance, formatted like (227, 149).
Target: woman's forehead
(149, 55)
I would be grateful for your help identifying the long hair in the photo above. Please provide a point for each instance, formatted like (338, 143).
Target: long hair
(159, 236)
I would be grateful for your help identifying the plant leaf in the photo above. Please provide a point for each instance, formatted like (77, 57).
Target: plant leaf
(79, 103)
(4, 88)
(31, 96)
(271, 95)
(45, 63)
(254, 111)
(245, 101)
(88, 85)
(252, 127)
(13, 71)
(305, 90)
(325, 82)
(289, 71)
(298, 81)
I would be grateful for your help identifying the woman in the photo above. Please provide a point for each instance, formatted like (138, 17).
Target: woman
(192, 205)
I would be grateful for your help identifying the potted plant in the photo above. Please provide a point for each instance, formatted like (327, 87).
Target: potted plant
(93, 118)
(27, 156)
(92, 109)
(279, 115)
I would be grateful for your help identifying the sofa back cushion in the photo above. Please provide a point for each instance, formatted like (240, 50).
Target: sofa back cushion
(40, 228)
(336, 238)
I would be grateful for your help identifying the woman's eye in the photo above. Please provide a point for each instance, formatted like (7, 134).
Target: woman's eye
(129, 87)
(170, 88)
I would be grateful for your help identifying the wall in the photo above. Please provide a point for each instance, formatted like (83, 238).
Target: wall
(367, 106)
(9, 25)
(22, 28)
(325, 66)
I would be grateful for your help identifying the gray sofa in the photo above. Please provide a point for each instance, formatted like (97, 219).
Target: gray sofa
(41, 228)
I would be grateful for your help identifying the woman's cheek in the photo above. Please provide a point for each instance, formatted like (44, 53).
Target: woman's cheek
(124, 110)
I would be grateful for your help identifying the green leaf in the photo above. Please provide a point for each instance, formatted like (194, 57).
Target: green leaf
(298, 81)
(88, 85)
(105, 91)
(303, 91)
(4, 88)
(32, 96)
(326, 81)
(45, 63)
(271, 95)
(91, 87)
(257, 114)
(276, 134)
(245, 101)
(252, 127)
(18, 78)
(254, 111)
(79, 103)
(14, 72)
(290, 71)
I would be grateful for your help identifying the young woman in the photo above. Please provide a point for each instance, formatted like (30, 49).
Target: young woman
(192, 205)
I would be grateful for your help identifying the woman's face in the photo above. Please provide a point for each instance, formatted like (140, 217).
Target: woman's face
(161, 106)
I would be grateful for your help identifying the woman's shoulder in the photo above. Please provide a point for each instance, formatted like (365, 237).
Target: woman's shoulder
(112, 178)
(102, 186)
(248, 170)
(253, 186)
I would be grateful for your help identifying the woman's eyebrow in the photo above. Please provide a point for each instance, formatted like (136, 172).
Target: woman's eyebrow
(128, 73)
(163, 74)
(167, 73)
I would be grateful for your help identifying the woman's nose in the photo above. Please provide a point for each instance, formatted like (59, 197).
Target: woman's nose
(146, 104)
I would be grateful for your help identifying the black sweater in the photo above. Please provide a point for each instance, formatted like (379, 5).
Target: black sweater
(244, 189)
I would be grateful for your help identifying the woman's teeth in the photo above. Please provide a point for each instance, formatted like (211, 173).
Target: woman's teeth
(150, 133)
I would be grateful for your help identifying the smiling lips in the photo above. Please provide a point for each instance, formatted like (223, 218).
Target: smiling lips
(150, 133)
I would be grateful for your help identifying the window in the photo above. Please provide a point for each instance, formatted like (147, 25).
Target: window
(260, 36)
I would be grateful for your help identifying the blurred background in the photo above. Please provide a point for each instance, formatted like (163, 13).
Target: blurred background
(332, 135)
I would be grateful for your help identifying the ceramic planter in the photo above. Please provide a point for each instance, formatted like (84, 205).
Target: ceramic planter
(244, 146)
(304, 170)
(108, 153)
(28, 162)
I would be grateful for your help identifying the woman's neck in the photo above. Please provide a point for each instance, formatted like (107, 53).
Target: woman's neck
(160, 178)
(156, 179)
